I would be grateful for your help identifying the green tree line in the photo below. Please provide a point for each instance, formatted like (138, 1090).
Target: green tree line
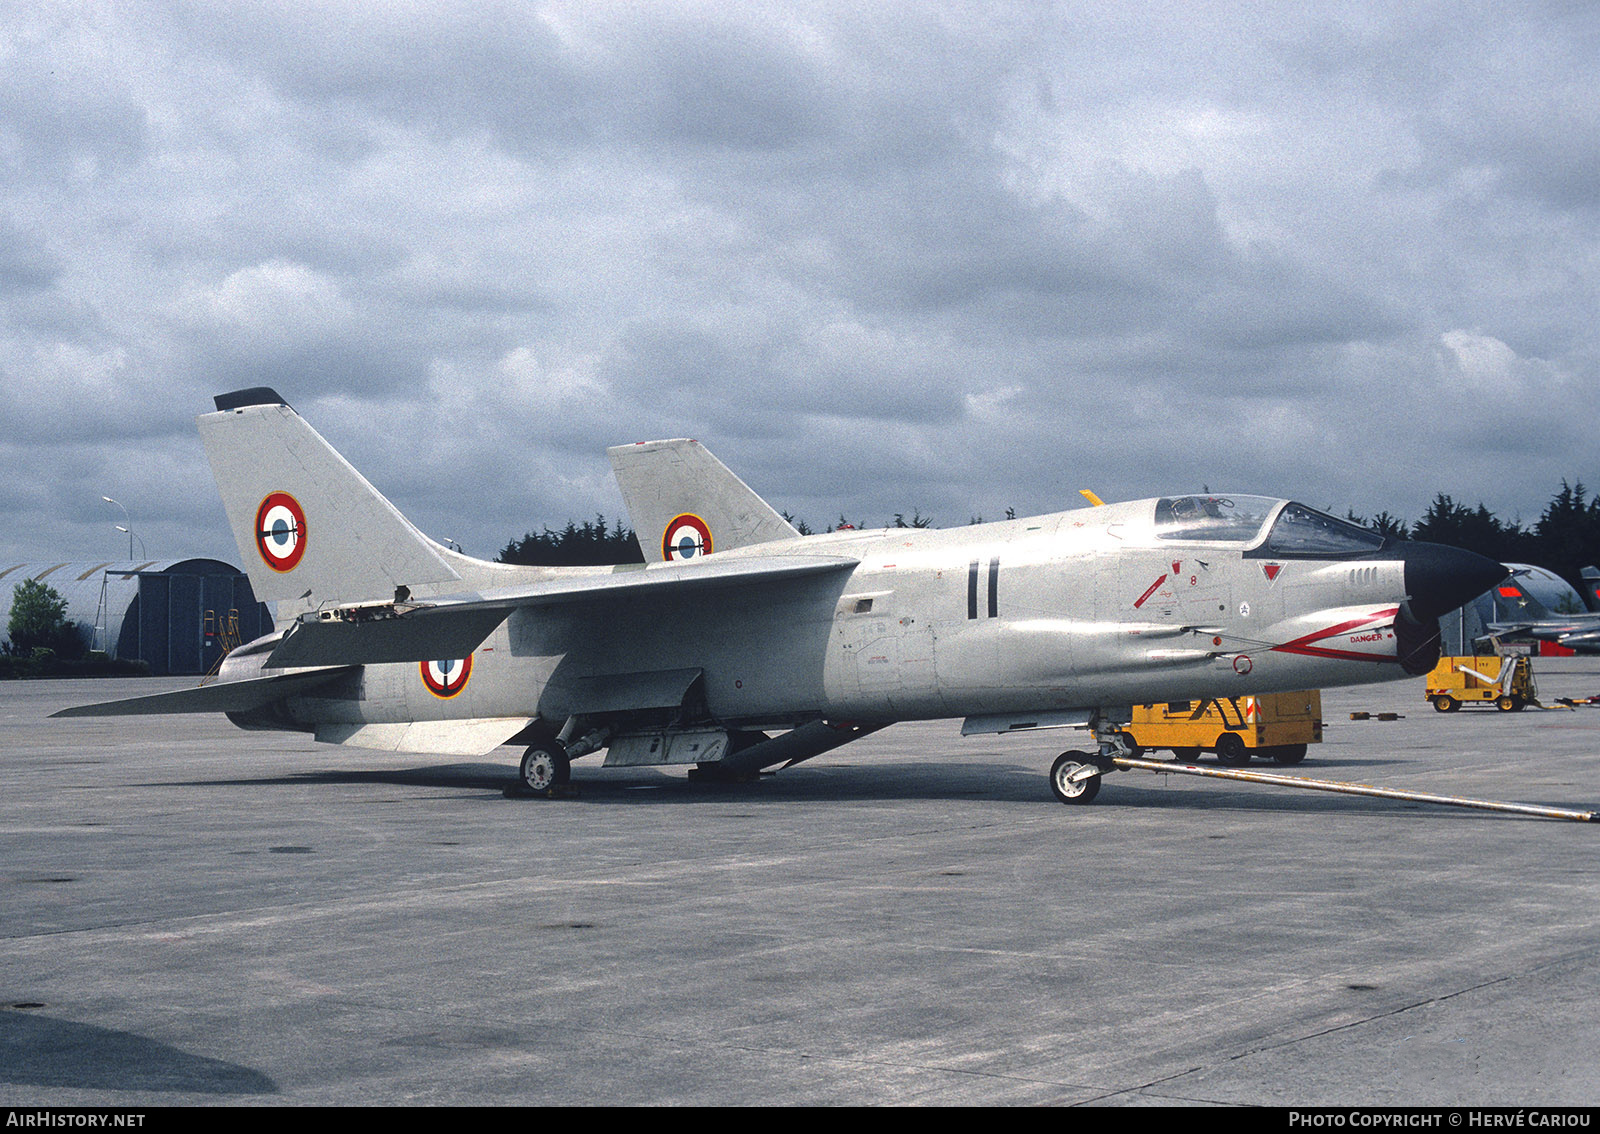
(594, 543)
(1565, 538)
(589, 544)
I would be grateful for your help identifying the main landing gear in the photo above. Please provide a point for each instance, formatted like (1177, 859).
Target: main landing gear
(546, 768)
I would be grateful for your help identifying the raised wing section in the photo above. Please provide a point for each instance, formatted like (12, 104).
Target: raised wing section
(454, 627)
(226, 697)
(684, 503)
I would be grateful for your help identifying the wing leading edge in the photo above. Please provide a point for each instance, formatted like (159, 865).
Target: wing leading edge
(454, 627)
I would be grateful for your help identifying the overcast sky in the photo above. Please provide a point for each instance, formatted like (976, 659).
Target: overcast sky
(878, 257)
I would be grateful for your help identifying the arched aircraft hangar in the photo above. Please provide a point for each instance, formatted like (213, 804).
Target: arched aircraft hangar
(178, 615)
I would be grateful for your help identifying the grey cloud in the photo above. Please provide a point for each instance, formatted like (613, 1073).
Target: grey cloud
(25, 265)
(945, 256)
(62, 112)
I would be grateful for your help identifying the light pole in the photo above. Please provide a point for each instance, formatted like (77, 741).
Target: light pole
(120, 528)
(143, 553)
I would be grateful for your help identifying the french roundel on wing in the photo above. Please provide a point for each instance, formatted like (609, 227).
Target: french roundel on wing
(448, 677)
(686, 537)
(281, 531)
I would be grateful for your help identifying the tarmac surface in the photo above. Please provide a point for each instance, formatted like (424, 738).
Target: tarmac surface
(192, 914)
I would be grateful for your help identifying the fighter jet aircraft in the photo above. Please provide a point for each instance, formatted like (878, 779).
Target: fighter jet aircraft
(1528, 618)
(741, 645)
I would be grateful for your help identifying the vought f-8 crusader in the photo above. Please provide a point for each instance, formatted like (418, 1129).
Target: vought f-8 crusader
(741, 644)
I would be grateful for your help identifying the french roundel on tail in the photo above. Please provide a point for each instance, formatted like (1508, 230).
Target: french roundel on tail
(280, 531)
(686, 536)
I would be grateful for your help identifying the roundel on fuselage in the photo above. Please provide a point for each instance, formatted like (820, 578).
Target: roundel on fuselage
(448, 677)
(280, 531)
(686, 537)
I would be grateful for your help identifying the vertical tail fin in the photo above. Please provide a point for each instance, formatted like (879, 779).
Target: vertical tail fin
(684, 502)
(1515, 598)
(310, 528)
(1591, 588)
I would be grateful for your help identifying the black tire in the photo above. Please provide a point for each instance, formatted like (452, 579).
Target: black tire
(1083, 791)
(545, 767)
(1231, 750)
(1287, 753)
(1186, 755)
(1444, 703)
(1134, 750)
(1506, 704)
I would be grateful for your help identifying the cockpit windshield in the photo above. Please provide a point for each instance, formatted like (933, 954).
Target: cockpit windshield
(1305, 531)
(1232, 519)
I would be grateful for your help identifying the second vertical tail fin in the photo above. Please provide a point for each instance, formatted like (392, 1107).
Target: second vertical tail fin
(685, 503)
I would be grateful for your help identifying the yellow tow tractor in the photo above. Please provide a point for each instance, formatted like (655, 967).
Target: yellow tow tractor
(1276, 726)
(1505, 681)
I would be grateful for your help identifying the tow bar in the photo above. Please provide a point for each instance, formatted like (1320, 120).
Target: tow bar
(1343, 788)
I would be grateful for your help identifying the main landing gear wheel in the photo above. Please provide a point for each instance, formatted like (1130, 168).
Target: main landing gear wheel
(1444, 703)
(545, 767)
(1067, 791)
(1231, 750)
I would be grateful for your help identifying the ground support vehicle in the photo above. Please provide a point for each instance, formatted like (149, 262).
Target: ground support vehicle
(1506, 682)
(1276, 726)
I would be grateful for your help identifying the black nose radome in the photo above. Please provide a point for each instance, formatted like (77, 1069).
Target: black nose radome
(1440, 578)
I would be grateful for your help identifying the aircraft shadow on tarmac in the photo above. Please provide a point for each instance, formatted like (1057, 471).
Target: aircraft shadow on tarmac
(42, 1051)
(845, 783)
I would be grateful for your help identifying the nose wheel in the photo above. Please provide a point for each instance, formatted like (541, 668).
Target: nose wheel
(1067, 788)
(1075, 776)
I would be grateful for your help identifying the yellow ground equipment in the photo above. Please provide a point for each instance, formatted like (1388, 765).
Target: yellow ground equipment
(1277, 726)
(1506, 682)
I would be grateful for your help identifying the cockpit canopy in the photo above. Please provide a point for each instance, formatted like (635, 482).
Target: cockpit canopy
(1231, 519)
(1296, 531)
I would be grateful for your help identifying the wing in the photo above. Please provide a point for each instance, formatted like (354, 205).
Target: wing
(454, 627)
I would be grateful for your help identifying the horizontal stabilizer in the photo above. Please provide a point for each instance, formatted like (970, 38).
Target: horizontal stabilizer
(226, 697)
(454, 628)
